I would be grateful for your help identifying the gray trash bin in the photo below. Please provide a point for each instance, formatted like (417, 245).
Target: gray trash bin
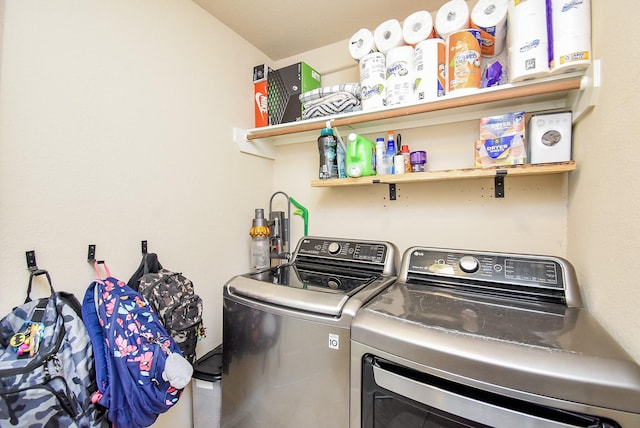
(206, 389)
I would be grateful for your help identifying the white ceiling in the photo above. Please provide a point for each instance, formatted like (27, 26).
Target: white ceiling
(283, 28)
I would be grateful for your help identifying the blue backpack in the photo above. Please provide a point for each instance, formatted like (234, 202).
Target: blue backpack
(140, 371)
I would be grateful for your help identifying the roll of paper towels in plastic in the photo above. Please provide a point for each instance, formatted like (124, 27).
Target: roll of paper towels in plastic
(430, 69)
(373, 77)
(527, 40)
(388, 35)
(451, 17)
(571, 40)
(361, 44)
(400, 86)
(490, 17)
(417, 27)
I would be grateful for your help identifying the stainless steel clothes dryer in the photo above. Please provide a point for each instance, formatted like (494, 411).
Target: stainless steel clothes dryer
(483, 339)
(286, 333)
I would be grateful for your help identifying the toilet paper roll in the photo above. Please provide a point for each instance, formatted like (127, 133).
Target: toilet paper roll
(388, 35)
(373, 79)
(361, 44)
(400, 86)
(417, 27)
(451, 17)
(571, 40)
(430, 69)
(527, 40)
(490, 17)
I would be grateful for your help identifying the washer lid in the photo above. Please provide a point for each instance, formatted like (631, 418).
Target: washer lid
(537, 348)
(302, 288)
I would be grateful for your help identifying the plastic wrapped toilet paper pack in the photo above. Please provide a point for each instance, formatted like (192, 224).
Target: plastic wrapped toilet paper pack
(571, 35)
(388, 35)
(373, 79)
(430, 69)
(417, 27)
(527, 40)
(451, 17)
(400, 76)
(361, 44)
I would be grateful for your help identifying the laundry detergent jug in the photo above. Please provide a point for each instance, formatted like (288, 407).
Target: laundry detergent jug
(360, 155)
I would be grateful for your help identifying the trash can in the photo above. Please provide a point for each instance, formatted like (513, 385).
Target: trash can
(206, 389)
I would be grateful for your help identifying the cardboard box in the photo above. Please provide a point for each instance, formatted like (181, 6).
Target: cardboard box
(285, 86)
(260, 104)
(260, 73)
(502, 141)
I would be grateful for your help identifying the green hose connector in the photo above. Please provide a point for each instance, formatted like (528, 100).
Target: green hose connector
(302, 212)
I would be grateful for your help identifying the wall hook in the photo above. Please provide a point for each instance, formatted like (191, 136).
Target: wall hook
(32, 266)
(91, 255)
(144, 247)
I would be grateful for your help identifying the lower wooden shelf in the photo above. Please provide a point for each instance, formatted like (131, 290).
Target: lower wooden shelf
(454, 174)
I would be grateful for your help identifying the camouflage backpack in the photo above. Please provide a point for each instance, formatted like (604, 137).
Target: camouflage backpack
(172, 297)
(47, 372)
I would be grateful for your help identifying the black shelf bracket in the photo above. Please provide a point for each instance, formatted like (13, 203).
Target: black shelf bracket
(499, 183)
(392, 188)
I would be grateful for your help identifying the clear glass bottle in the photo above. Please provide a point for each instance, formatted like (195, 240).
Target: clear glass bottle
(259, 233)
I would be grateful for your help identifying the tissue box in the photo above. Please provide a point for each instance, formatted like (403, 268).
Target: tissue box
(502, 141)
(284, 88)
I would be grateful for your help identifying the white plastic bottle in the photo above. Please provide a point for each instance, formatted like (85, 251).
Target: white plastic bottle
(381, 149)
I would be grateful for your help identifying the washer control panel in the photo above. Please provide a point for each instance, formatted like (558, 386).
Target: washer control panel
(466, 265)
(346, 250)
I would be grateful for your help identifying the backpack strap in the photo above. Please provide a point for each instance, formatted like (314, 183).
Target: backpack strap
(97, 269)
(148, 264)
(32, 275)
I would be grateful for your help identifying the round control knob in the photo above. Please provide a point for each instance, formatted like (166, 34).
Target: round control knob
(334, 248)
(469, 264)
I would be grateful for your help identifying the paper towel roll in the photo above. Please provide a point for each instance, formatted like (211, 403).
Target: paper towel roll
(388, 35)
(490, 17)
(417, 27)
(430, 66)
(451, 17)
(527, 40)
(464, 62)
(400, 85)
(373, 79)
(571, 40)
(361, 44)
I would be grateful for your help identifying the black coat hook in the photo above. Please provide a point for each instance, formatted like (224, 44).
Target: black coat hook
(144, 247)
(32, 266)
(91, 255)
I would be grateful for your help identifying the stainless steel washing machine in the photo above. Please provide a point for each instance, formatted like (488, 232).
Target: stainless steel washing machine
(286, 333)
(484, 339)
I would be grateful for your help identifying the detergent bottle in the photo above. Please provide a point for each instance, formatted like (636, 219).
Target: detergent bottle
(359, 157)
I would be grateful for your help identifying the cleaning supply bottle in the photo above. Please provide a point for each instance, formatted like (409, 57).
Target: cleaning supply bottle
(327, 148)
(260, 234)
(406, 154)
(360, 156)
(381, 149)
(391, 150)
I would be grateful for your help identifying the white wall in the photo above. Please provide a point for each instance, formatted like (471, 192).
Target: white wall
(604, 202)
(115, 127)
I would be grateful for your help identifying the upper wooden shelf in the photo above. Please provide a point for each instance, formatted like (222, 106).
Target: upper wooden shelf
(572, 91)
